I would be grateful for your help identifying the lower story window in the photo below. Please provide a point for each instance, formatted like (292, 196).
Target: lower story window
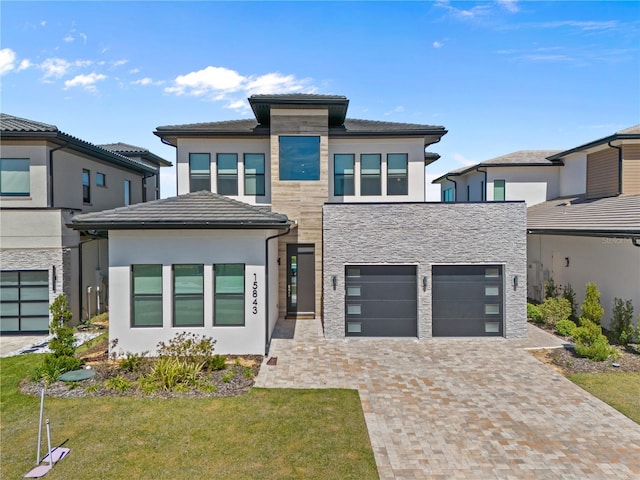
(498, 191)
(188, 295)
(447, 195)
(24, 301)
(229, 295)
(146, 293)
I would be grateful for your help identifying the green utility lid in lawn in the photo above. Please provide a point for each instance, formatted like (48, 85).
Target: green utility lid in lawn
(77, 375)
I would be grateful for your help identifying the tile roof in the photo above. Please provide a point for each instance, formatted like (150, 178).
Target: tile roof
(631, 133)
(12, 127)
(631, 130)
(9, 123)
(199, 210)
(521, 158)
(131, 150)
(576, 215)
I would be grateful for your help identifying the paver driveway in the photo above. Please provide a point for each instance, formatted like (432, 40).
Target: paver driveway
(461, 408)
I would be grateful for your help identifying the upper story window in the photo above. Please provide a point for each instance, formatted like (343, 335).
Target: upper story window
(127, 192)
(397, 174)
(498, 191)
(343, 180)
(254, 174)
(14, 177)
(86, 186)
(370, 183)
(299, 158)
(101, 179)
(227, 173)
(199, 172)
(447, 195)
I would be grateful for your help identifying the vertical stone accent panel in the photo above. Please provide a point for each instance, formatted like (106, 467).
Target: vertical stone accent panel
(425, 234)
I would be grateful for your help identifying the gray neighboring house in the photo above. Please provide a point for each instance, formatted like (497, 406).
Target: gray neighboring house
(353, 243)
(46, 178)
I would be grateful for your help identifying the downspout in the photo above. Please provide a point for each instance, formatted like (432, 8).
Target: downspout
(619, 167)
(455, 187)
(51, 171)
(144, 184)
(266, 288)
(484, 188)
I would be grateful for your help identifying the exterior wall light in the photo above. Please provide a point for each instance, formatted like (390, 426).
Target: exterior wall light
(515, 282)
(566, 261)
(334, 281)
(424, 283)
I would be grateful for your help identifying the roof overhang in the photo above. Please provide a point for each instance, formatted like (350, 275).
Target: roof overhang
(585, 233)
(596, 143)
(106, 225)
(495, 165)
(337, 105)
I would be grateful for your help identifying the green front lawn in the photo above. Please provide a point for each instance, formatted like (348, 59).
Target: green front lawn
(621, 390)
(267, 434)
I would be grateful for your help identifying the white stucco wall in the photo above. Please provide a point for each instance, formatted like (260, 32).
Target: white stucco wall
(207, 247)
(573, 176)
(37, 153)
(215, 146)
(613, 264)
(532, 184)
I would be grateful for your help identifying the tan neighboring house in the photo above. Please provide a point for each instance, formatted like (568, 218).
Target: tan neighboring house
(302, 212)
(46, 178)
(583, 219)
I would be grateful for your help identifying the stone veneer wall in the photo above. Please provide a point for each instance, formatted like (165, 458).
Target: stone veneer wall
(425, 234)
(44, 259)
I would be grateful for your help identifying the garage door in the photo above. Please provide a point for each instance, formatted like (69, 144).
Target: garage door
(467, 300)
(381, 301)
(24, 301)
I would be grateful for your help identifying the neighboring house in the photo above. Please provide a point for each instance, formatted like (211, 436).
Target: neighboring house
(524, 175)
(584, 212)
(352, 243)
(47, 177)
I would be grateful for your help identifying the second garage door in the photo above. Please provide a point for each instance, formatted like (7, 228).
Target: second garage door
(381, 301)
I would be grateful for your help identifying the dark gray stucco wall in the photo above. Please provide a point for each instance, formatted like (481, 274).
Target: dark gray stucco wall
(425, 234)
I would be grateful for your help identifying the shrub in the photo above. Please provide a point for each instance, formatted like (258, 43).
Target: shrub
(565, 328)
(227, 377)
(570, 295)
(59, 309)
(622, 330)
(551, 290)
(133, 361)
(533, 313)
(118, 384)
(169, 372)
(591, 308)
(591, 343)
(217, 362)
(189, 347)
(52, 367)
(554, 310)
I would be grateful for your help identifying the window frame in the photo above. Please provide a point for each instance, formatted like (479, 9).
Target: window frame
(342, 178)
(256, 176)
(298, 175)
(86, 187)
(216, 295)
(127, 192)
(176, 296)
(191, 175)
(132, 321)
(447, 195)
(369, 176)
(496, 189)
(21, 286)
(28, 175)
(391, 177)
(226, 176)
(100, 175)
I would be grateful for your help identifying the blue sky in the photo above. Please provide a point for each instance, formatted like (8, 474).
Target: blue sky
(499, 75)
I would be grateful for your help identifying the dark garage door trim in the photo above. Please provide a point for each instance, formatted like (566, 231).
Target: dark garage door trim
(381, 300)
(467, 300)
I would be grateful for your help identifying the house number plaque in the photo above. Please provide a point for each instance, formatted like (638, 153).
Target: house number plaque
(254, 294)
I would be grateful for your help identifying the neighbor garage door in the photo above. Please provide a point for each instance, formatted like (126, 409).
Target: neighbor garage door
(24, 301)
(381, 301)
(467, 300)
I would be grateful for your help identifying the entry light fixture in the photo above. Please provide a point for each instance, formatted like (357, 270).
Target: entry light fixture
(424, 283)
(515, 282)
(334, 281)
(566, 261)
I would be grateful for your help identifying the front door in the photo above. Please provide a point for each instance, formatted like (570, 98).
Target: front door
(301, 280)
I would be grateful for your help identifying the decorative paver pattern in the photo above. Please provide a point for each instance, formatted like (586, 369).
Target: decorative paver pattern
(461, 408)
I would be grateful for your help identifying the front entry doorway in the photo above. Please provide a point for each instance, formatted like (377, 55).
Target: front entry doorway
(301, 280)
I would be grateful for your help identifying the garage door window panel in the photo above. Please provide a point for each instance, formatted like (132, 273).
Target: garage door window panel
(24, 301)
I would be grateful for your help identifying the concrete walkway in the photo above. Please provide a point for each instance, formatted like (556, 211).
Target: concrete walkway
(462, 408)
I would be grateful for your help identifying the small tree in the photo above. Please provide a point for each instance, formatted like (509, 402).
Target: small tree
(591, 308)
(551, 290)
(570, 295)
(554, 310)
(622, 330)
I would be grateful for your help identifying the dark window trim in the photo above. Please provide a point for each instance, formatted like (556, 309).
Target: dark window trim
(226, 175)
(127, 189)
(86, 188)
(314, 179)
(504, 189)
(17, 194)
(255, 175)
(244, 293)
(104, 177)
(371, 175)
(191, 175)
(406, 173)
(144, 295)
(343, 176)
(174, 295)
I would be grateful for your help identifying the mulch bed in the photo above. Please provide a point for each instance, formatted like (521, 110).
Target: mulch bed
(568, 362)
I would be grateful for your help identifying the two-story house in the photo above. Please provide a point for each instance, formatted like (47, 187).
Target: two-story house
(302, 212)
(583, 218)
(47, 177)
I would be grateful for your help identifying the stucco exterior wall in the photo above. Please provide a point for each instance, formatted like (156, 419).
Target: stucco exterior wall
(37, 153)
(573, 176)
(532, 184)
(613, 264)
(207, 247)
(425, 234)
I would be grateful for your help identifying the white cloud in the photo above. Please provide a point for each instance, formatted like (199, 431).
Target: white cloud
(83, 36)
(510, 5)
(43, 23)
(133, 71)
(24, 64)
(224, 84)
(7, 60)
(437, 44)
(146, 81)
(68, 39)
(464, 161)
(119, 63)
(398, 109)
(55, 67)
(477, 11)
(85, 81)
(582, 25)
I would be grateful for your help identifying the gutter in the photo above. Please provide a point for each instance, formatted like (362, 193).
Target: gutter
(267, 341)
(484, 188)
(51, 171)
(633, 236)
(619, 166)
(455, 187)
